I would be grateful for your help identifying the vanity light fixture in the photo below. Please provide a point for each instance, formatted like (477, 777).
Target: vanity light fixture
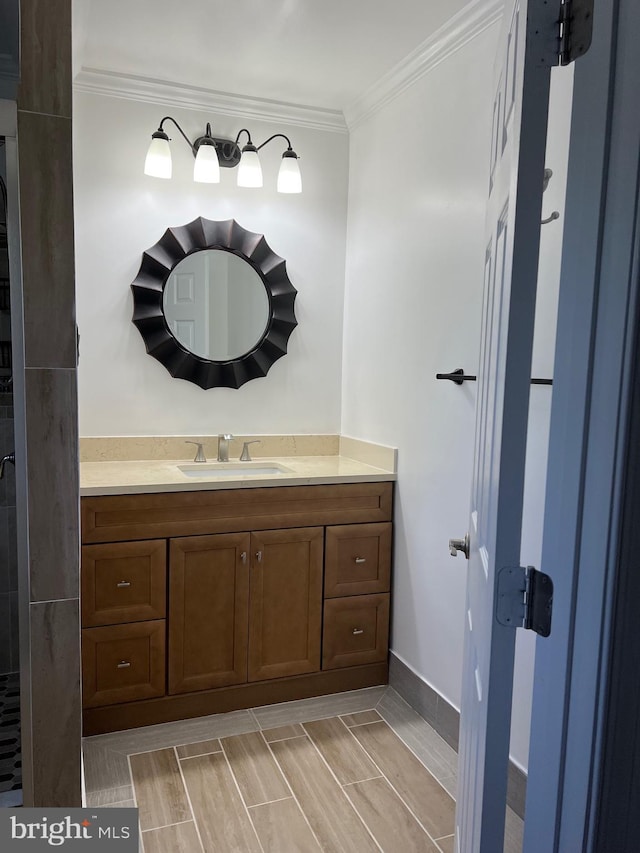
(211, 153)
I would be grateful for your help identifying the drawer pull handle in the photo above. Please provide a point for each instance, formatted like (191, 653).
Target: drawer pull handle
(259, 556)
(361, 559)
(124, 664)
(358, 631)
(122, 584)
(243, 556)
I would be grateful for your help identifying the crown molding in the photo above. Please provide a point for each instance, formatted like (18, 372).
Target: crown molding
(458, 31)
(130, 87)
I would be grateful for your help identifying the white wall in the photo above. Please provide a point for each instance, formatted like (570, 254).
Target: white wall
(415, 250)
(120, 212)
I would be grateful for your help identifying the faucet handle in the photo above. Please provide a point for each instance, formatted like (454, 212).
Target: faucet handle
(200, 457)
(245, 456)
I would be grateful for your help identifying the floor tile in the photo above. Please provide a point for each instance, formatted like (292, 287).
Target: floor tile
(103, 767)
(283, 733)
(426, 798)
(389, 820)
(204, 747)
(419, 736)
(125, 804)
(218, 809)
(159, 790)
(254, 767)
(341, 751)
(450, 784)
(447, 845)
(514, 829)
(282, 827)
(110, 795)
(270, 716)
(360, 718)
(331, 816)
(181, 838)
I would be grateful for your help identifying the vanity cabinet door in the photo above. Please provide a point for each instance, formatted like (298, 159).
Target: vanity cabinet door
(285, 602)
(208, 611)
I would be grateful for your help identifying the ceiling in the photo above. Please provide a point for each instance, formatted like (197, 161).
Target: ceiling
(320, 53)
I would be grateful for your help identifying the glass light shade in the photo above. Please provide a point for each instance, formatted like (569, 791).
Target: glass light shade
(289, 177)
(158, 161)
(249, 170)
(206, 169)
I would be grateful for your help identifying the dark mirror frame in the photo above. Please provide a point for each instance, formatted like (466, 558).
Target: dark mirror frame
(158, 263)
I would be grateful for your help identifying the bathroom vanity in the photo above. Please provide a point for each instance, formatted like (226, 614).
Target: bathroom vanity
(225, 595)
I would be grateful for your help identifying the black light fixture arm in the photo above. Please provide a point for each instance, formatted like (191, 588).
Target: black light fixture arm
(186, 138)
(240, 132)
(275, 136)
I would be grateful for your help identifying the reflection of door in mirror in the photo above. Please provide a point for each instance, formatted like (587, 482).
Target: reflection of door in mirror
(216, 305)
(186, 303)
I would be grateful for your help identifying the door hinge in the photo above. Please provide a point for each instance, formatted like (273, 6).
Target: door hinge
(524, 599)
(576, 28)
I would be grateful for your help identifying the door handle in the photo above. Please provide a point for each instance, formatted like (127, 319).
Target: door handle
(461, 545)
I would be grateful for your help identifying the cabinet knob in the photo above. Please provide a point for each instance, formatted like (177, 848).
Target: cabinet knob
(361, 559)
(124, 664)
(243, 556)
(259, 556)
(358, 631)
(122, 584)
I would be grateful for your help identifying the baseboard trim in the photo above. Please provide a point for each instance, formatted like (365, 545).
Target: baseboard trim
(445, 719)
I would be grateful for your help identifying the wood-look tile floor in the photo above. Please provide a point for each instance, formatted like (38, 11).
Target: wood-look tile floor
(353, 773)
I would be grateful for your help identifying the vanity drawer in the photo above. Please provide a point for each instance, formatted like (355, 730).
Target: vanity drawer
(358, 559)
(121, 663)
(123, 582)
(356, 630)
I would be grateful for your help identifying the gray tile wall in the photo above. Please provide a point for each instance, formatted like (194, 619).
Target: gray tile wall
(52, 758)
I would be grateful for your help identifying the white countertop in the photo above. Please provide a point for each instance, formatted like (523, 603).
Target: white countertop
(151, 475)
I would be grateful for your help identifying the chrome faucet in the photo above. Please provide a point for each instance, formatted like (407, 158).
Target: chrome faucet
(200, 457)
(223, 446)
(245, 456)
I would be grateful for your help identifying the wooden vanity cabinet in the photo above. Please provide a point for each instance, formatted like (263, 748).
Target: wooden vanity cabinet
(202, 602)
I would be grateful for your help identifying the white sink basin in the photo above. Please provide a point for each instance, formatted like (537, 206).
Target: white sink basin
(233, 469)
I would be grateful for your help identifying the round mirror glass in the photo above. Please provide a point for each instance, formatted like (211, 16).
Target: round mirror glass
(216, 305)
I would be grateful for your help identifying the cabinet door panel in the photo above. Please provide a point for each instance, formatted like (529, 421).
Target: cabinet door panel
(286, 602)
(208, 610)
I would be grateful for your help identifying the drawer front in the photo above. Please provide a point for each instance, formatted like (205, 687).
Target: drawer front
(123, 582)
(121, 663)
(356, 631)
(358, 559)
(116, 518)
